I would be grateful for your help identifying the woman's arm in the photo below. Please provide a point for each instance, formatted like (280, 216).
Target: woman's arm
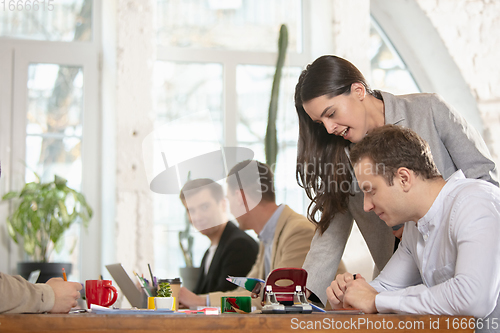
(465, 145)
(325, 253)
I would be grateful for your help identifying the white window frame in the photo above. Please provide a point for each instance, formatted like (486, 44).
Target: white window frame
(230, 59)
(15, 57)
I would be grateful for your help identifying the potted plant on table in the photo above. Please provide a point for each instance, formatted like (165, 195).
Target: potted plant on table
(42, 213)
(164, 299)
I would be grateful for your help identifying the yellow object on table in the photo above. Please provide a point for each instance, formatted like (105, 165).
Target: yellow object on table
(151, 303)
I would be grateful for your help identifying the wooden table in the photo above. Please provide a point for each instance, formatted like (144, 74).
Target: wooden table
(260, 323)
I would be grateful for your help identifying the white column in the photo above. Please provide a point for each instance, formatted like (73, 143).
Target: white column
(135, 55)
(351, 32)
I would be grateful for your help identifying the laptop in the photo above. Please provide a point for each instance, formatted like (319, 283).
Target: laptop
(136, 297)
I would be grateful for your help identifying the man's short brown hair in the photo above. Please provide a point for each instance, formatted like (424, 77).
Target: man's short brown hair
(391, 147)
(194, 186)
(256, 183)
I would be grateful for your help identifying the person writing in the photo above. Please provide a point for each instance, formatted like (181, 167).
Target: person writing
(231, 251)
(336, 108)
(284, 235)
(18, 295)
(448, 262)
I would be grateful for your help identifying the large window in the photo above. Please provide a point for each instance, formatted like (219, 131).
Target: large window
(228, 24)
(48, 20)
(218, 57)
(388, 70)
(50, 68)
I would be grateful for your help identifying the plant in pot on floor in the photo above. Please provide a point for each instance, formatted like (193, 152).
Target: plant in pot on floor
(189, 274)
(42, 213)
(164, 299)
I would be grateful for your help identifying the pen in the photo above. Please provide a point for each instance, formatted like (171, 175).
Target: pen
(151, 273)
(64, 274)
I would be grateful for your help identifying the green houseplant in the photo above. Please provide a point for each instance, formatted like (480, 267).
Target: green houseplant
(164, 290)
(42, 213)
(164, 299)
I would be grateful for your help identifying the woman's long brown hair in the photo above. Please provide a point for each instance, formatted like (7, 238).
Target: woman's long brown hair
(323, 168)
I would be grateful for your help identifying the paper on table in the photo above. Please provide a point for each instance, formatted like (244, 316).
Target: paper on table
(206, 311)
(317, 308)
(244, 282)
(97, 309)
(34, 276)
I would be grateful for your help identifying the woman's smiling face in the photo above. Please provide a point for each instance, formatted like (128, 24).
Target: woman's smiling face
(342, 115)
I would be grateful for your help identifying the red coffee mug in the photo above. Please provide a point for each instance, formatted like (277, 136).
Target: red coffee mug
(100, 292)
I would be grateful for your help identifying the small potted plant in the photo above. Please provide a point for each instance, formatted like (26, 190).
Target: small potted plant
(42, 213)
(164, 299)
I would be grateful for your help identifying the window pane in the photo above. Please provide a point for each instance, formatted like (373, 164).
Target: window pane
(287, 189)
(55, 99)
(51, 156)
(254, 92)
(54, 122)
(251, 25)
(253, 87)
(389, 72)
(180, 89)
(54, 136)
(169, 221)
(66, 21)
(189, 122)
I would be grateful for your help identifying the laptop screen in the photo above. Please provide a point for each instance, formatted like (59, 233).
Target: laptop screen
(135, 296)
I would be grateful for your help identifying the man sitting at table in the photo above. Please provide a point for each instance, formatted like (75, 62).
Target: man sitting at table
(18, 295)
(448, 262)
(285, 236)
(232, 251)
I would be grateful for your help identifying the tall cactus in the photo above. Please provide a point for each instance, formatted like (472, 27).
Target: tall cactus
(271, 140)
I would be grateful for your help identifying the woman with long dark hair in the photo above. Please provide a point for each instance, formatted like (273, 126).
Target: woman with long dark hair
(336, 108)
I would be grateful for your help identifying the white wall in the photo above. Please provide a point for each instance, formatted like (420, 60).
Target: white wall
(135, 54)
(470, 31)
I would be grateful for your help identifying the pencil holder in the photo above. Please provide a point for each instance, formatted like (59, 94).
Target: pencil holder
(151, 303)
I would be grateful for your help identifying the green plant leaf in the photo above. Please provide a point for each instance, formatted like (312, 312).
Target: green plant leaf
(59, 245)
(60, 182)
(32, 187)
(10, 195)
(11, 231)
(29, 244)
(164, 290)
(56, 230)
